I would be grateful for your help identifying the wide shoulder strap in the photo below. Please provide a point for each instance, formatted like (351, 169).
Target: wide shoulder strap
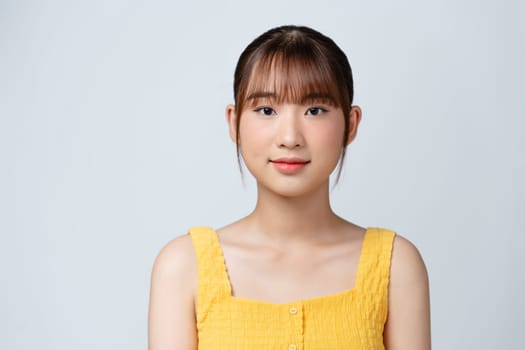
(373, 273)
(213, 282)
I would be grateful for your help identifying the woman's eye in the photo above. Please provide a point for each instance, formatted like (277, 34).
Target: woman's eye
(265, 111)
(315, 111)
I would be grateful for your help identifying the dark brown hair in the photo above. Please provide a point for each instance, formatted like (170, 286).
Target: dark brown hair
(300, 63)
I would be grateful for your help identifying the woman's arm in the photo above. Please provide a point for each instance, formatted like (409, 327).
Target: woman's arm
(171, 322)
(408, 322)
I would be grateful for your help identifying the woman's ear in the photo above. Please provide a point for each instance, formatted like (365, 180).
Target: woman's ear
(353, 123)
(231, 119)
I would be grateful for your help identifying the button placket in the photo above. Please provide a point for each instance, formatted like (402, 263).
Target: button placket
(295, 312)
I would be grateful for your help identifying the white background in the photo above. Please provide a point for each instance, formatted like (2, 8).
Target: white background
(113, 141)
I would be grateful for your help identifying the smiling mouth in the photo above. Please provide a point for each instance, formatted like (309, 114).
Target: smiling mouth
(289, 165)
(290, 161)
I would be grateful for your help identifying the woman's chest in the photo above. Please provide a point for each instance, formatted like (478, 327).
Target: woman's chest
(335, 322)
(288, 276)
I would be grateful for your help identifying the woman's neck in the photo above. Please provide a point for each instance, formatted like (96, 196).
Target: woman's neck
(281, 218)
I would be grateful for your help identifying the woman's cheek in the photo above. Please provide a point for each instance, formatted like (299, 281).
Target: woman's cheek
(331, 135)
(255, 135)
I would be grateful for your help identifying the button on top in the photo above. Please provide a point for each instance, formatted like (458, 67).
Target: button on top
(293, 311)
(292, 347)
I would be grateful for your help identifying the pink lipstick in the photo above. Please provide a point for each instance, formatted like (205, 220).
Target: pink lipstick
(289, 165)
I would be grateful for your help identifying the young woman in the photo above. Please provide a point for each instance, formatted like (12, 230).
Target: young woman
(292, 274)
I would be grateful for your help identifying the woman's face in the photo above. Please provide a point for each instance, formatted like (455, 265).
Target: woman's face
(290, 148)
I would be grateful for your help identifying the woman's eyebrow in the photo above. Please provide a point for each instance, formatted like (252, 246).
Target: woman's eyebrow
(317, 96)
(260, 94)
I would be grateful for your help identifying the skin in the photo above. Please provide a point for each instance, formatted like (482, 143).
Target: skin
(292, 219)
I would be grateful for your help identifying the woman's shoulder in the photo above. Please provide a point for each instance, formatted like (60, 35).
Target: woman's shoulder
(171, 318)
(176, 260)
(408, 298)
(406, 260)
(404, 253)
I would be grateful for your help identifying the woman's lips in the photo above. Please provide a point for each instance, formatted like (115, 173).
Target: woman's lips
(289, 165)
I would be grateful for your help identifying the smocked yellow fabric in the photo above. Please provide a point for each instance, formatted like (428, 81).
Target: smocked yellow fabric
(352, 319)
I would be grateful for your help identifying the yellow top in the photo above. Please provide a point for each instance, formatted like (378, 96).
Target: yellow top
(352, 319)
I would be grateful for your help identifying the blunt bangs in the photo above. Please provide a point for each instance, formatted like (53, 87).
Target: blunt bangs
(299, 77)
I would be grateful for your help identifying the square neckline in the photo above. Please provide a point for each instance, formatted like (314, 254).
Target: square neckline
(341, 294)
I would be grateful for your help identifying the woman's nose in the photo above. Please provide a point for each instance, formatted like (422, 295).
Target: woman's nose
(290, 133)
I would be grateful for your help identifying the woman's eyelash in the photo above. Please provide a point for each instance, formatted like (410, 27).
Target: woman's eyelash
(310, 111)
(315, 110)
(265, 110)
